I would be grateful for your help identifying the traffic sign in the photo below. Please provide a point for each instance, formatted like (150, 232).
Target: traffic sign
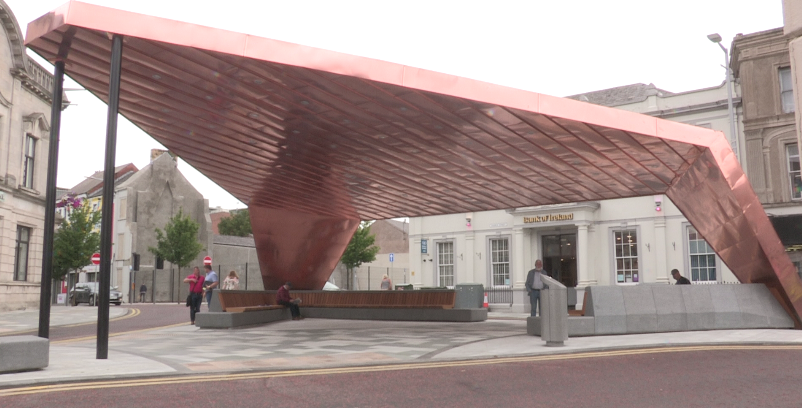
(96, 258)
(391, 257)
(207, 260)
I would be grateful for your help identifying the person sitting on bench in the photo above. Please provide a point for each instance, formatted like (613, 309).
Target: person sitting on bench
(283, 298)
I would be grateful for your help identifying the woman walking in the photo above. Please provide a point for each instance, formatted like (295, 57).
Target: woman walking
(195, 293)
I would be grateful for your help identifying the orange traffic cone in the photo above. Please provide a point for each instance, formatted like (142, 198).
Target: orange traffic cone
(485, 304)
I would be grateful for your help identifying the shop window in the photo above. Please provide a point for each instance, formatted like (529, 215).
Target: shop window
(702, 258)
(445, 264)
(500, 261)
(786, 90)
(626, 255)
(21, 256)
(792, 152)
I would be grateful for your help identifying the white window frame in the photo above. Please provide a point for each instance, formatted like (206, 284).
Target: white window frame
(638, 257)
(491, 263)
(28, 161)
(786, 83)
(686, 253)
(792, 174)
(438, 264)
(22, 277)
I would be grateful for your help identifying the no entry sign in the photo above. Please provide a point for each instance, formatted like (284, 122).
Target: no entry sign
(207, 260)
(96, 258)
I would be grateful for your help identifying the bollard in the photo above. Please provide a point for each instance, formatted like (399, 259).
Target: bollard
(553, 312)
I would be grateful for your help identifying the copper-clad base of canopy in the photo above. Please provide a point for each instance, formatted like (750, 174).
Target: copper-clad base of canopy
(316, 140)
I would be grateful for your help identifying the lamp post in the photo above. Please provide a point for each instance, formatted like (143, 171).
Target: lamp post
(736, 146)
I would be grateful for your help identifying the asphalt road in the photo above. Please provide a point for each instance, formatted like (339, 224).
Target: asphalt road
(712, 376)
(141, 316)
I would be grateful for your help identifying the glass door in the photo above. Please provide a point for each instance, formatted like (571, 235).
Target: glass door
(559, 258)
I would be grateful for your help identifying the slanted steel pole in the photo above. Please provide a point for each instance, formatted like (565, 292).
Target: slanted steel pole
(107, 219)
(50, 203)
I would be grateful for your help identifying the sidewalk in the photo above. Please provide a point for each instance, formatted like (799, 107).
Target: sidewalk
(322, 343)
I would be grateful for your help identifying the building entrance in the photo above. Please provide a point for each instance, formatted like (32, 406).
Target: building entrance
(559, 257)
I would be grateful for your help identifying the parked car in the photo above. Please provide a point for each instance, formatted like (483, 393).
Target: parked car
(87, 292)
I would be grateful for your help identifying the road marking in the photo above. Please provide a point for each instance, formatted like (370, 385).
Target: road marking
(77, 339)
(131, 313)
(368, 369)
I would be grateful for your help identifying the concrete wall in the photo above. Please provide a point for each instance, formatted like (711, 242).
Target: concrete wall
(664, 308)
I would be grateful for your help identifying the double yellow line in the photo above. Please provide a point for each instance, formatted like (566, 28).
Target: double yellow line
(368, 369)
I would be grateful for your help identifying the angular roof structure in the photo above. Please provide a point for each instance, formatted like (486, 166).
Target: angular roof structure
(315, 140)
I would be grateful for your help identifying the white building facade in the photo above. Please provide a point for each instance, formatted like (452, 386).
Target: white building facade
(25, 101)
(614, 242)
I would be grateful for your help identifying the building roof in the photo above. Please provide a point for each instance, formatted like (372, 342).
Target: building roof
(117, 182)
(621, 95)
(400, 225)
(94, 182)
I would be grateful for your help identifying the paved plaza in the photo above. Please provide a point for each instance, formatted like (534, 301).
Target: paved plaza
(319, 343)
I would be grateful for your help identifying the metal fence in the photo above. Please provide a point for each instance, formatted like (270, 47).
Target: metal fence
(499, 295)
(370, 277)
(167, 285)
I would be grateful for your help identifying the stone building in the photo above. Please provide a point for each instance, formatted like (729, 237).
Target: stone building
(146, 201)
(25, 102)
(761, 63)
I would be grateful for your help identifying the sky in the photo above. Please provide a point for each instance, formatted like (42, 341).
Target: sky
(557, 48)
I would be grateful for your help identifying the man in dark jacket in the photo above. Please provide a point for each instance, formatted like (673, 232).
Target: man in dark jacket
(681, 280)
(534, 284)
(283, 298)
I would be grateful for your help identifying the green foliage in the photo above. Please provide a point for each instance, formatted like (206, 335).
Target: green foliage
(75, 242)
(361, 248)
(239, 224)
(178, 243)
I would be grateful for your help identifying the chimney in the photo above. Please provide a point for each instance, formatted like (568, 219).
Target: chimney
(155, 153)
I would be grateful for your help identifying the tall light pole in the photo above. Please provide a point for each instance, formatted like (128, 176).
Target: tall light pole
(735, 146)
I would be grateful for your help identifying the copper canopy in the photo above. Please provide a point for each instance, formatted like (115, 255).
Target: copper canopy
(315, 140)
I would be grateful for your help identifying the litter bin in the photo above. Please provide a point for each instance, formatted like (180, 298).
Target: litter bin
(469, 296)
(406, 286)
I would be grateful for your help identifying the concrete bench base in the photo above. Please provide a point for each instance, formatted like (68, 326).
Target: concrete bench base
(405, 314)
(226, 320)
(578, 326)
(23, 353)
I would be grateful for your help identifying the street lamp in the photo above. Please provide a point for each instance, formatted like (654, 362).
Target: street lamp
(736, 146)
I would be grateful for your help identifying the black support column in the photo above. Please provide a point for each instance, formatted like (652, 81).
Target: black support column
(50, 203)
(107, 220)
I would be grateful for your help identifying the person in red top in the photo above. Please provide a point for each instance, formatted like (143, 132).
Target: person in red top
(283, 298)
(195, 293)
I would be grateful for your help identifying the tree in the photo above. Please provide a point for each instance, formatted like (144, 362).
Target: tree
(178, 243)
(239, 224)
(359, 250)
(75, 241)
